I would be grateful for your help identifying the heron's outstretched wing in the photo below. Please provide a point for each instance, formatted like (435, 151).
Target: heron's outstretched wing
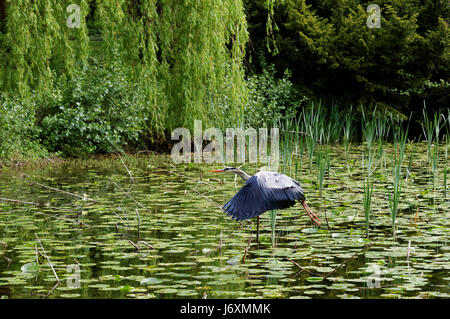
(262, 192)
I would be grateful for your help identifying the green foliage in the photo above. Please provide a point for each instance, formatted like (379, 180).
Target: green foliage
(186, 54)
(38, 45)
(99, 111)
(331, 50)
(19, 137)
(171, 62)
(270, 99)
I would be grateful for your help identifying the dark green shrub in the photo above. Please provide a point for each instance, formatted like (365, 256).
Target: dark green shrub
(271, 99)
(98, 111)
(19, 136)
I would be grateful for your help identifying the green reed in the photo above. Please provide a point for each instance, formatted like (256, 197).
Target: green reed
(369, 130)
(412, 153)
(367, 198)
(323, 165)
(310, 145)
(435, 164)
(382, 129)
(427, 128)
(347, 130)
(431, 130)
(311, 130)
(318, 127)
(296, 168)
(333, 121)
(290, 141)
(399, 139)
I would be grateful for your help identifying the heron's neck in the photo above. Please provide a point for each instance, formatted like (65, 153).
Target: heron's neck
(242, 174)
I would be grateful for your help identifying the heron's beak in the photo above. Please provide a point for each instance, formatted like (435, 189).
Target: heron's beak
(217, 170)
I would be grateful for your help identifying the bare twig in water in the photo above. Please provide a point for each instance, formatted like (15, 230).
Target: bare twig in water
(36, 253)
(134, 245)
(84, 197)
(46, 205)
(17, 201)
(129, 173)
(208, 199)
(140, 242)
(199, 181)
(51, 265)
(146, 244)
(128, 195)
(64, 218)
(247, 248)
(54, 287)
(300, 267)
(343, 263)
(120, 217)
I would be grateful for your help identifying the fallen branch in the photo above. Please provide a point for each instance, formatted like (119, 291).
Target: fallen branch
(140, 242)
(51, 290)
(128, 195)
(134, 245)
(199, 181)
(208, 199)
(84, 197)
(345, 261)
(129, 173)
(48, 259)
(124, 222)
(17, 201)
(146, 244)
(296, 264)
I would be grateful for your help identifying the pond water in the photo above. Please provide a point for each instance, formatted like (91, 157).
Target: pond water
(152, 229)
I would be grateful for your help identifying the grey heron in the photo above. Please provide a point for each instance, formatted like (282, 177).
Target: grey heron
(263, 192)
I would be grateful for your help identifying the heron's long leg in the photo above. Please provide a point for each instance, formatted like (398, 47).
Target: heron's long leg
(311, 214)
(257, 229)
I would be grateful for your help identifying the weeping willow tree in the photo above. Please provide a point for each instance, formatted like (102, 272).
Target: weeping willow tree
(188, 55)
(37, 51)
(37, 47)
(183, 58)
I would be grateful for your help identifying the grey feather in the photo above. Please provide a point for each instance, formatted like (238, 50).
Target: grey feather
(262, 192)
